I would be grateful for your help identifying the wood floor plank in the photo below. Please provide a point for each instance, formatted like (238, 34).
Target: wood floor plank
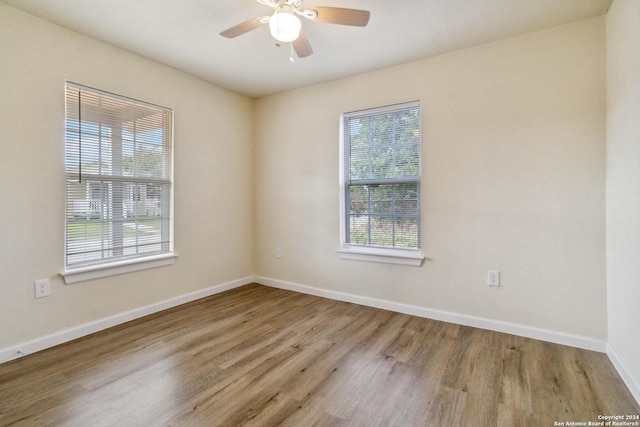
(257, 356)
(515, 388)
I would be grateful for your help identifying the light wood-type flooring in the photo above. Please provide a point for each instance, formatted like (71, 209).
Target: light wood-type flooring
(258, 356)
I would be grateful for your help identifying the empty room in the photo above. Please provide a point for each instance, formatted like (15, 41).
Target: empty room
(320, 213)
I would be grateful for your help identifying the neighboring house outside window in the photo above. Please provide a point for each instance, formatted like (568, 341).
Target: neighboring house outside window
(116, 149)
(380, 181)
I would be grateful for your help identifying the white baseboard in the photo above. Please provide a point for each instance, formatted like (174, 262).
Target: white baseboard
(108, 322)
(626, 376)
(445, 316)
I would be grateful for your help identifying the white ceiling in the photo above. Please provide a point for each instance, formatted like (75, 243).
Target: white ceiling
(185, 34)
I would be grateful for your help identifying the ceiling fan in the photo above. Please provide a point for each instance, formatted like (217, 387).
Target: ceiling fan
(286, 27)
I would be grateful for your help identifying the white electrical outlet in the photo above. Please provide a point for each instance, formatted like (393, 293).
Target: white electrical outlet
(493, 278)
(278, 252)
(42, 288)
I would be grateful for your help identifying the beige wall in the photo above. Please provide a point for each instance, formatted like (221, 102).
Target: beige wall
(623, 183)
(213, 191)
(513, 180)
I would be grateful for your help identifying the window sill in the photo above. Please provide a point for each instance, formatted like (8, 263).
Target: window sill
(410, 257)
(83, 274)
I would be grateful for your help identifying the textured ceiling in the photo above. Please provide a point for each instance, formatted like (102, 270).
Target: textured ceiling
(185, 34)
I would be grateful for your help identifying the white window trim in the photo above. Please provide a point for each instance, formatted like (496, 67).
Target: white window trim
(82, 274)
(411, 257)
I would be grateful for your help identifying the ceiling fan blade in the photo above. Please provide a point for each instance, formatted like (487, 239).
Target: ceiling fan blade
(245, 27)
(302, 46)
(342, 16)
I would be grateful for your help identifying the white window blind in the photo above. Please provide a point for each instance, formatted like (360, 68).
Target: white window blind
(382, 177)
(118, 163)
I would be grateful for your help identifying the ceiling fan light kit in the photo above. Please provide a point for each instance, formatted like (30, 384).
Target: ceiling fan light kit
(285, 26)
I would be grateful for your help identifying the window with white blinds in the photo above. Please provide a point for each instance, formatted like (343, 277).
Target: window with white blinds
(381, 177)
(118, 163)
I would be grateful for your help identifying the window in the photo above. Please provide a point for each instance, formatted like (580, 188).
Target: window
(380, 163)
(118, 163)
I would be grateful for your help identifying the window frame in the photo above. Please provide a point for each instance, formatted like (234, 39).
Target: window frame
(392, 255)
(123, 263)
